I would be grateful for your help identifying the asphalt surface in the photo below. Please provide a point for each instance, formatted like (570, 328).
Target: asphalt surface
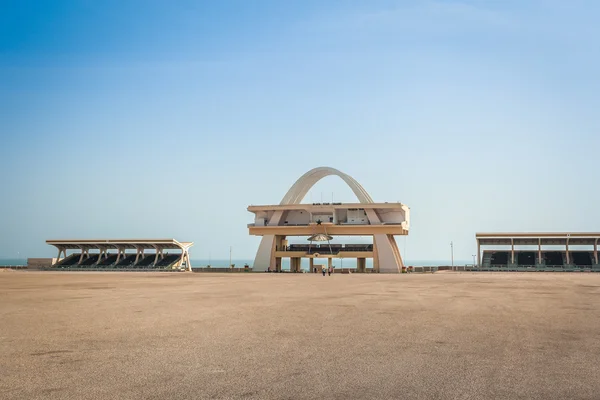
(287, 336)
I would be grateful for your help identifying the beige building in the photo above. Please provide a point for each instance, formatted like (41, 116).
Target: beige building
(554, 250)
(321, 221)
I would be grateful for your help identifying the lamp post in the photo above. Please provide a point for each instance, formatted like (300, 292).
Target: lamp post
(474, 264)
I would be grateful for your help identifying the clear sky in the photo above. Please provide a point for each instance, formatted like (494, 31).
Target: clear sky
(167, 118)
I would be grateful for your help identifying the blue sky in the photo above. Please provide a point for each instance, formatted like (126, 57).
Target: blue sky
(166, 119)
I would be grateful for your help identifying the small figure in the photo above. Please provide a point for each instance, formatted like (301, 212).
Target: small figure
(323, 269)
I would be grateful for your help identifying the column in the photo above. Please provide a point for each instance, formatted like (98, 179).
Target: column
(568, 261)
(361, 265)
(295, 264)
(512, 251)
(188, 262)
(329, 262)
(312, 264)
(278, 264)
(375, 258)
(596, 250)
(478, 254)
(539, 251)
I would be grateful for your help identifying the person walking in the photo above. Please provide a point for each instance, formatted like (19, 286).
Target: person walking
(324, 269)
(329, 271)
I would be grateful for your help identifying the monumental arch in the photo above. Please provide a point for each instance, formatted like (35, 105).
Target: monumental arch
(275, 223)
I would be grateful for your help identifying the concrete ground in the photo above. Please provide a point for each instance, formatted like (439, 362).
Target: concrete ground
(287, 336)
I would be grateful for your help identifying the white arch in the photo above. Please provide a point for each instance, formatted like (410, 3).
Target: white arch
(387, 255)
(301, 187)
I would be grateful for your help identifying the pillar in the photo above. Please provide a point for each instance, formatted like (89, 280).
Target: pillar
(596, 250)
(102, 251)
(329, 262)
(188, 262)
(158, 253)
(478, 253)
(312, 264)
(568, 260)
(361, 265)
(375, 258)
(277, 264)
(295, 264)
(540, 251)
(512, 251)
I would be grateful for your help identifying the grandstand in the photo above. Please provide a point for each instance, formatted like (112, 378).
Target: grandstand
(121, 255)
(538, 251)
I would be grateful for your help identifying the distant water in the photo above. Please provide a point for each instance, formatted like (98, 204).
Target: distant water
(12, 261)
(337, 262)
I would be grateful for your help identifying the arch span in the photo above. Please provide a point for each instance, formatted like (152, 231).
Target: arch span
(301, 187)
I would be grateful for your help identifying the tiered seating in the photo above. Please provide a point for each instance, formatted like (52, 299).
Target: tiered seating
(486, 262)
(146, 261)
(581, 258)
(525, 258)
(499, 258)
(168, 260)
(110, 260)
(553, 258)
(127, 261)
(91, 260)
(68, 261)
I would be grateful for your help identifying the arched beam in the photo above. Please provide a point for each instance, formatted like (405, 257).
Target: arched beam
(301, 187)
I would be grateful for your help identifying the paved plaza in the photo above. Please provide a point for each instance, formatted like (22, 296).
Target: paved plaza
(447, 335)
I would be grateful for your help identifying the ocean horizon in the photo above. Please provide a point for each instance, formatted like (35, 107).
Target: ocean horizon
(240, 262)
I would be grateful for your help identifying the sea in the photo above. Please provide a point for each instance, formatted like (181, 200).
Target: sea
(285, 263)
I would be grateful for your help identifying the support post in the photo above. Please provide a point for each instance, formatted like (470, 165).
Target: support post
(99, 256)
(512, 251)
(312, 264)
(596, 250)
(478, 253)
(188, 262)
(539, 251)
(361, 265)
(329, 263)
(140, 252)
(568, 258)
